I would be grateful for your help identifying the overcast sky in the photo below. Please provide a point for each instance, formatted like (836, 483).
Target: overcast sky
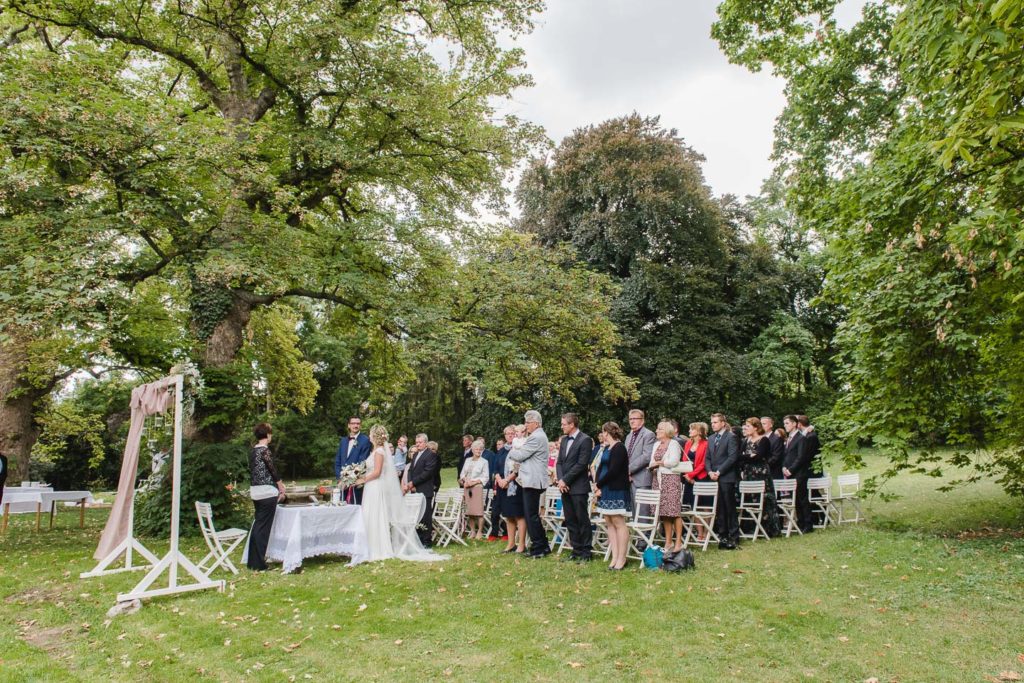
(596, 59)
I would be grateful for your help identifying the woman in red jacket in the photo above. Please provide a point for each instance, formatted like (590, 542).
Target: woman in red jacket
(695, 450)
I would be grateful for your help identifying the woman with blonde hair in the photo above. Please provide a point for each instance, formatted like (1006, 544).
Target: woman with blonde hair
(665, 459)
(384, 507)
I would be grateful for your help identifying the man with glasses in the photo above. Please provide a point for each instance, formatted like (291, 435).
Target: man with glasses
(639, 445)
(353, 449)
(532, 457)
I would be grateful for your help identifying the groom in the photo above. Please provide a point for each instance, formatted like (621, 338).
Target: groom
(353, 449)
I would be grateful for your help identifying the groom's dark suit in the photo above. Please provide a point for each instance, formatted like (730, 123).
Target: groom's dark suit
(572, 468)
(425, 476)
(723, 457)
(798, 462)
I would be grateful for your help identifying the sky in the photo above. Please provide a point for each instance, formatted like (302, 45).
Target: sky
(597, 59)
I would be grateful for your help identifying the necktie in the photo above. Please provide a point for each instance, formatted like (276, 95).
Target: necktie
(632, 442)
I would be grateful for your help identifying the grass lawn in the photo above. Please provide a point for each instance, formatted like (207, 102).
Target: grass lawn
(929, 590)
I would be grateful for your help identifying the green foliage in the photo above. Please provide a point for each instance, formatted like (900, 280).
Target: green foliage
(693, 294)
(274, 347)
(903, 146)
(210, 473)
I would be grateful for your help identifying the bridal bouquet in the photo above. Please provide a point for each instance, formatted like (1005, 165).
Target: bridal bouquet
(350, 474)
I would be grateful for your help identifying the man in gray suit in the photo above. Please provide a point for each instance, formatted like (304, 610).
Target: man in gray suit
(723, 459)
(532, 457)
(571, 470)
(639, 443)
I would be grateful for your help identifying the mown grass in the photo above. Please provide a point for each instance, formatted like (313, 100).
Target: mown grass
(929, 590)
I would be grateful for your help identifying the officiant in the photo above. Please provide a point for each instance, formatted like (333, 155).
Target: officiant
(353, 449)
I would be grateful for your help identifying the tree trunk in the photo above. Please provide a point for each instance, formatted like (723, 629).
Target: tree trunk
(18, 428)
(225, 389)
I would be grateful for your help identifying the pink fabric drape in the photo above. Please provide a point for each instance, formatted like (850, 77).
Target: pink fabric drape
(147, 399)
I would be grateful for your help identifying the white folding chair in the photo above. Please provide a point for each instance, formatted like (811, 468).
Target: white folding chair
(220, 543)
(644, 527)
(751, 508)
(819, 495)
(448, 516)
(405, 525)
(600, 538)
(553, 517)
(702, 516)
(849, 494)
(785, 499)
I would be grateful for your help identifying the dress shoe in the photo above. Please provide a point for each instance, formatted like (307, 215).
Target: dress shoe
(725, 545)
(509, 550)
(537, 556)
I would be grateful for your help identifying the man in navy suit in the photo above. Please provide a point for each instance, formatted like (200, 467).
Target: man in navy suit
(353, 449)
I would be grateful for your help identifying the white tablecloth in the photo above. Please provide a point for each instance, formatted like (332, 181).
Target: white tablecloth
(301, 532)
(27, 500)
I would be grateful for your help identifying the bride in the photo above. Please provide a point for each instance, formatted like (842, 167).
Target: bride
(390, 524)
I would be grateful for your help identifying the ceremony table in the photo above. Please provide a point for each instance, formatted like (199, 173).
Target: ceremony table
(25, 500)
(302, 531)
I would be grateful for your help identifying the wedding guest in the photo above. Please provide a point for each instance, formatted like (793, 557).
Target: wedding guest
(266, 491)
(511, 498)
(638, 446)
(467, 451)
(475, 473)
(679, 435)
(777, 444)
(424, 476)
(571, 478)
(352, 450)
(613, 500)
(755, 466)
(499, 444)
(401, 454)
(665, 457)
(498, 527)
(797, 466)
(491, 512)
(813, 444)
(695, 450)
(532, 476)
(721, 462)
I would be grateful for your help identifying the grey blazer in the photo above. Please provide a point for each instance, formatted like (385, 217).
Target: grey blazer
(640, 456)
(533, 460)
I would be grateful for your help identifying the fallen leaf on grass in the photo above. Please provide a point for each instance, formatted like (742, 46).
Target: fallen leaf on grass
(843, 639)
(871, 680)
(606, 602)
(738, 571)
(295, 646)
(1020, 658)
(576, 665)
(620, 629)
(1010, 676)
(398, 642)
(361, 607)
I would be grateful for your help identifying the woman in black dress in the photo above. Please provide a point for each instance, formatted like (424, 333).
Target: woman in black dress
(266, 491)
(757, 453)
(613, 492)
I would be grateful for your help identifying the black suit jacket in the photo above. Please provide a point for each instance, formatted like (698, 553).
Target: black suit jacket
(778, 455)
(813, 445)
(796, 457)
(425, 473)
(574, 463)
(723, 456)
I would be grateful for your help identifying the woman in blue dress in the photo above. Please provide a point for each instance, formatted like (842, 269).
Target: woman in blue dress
(613, 492)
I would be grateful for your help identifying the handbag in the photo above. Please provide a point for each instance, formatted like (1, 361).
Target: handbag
(653, 557)
(678, 561)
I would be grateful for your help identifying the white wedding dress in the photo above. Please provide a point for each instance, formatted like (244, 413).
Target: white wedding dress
(383, 509)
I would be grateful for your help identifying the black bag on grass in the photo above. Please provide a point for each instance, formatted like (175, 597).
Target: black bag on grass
(678, 561)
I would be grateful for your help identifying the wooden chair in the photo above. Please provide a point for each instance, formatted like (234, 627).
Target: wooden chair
(751, 508)
(849, 494)
(702, 516)
(644, 526)
(220, 543)
(448, 516)
(785, 499)
(405, 525)
(819, 495)
(554, 519)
